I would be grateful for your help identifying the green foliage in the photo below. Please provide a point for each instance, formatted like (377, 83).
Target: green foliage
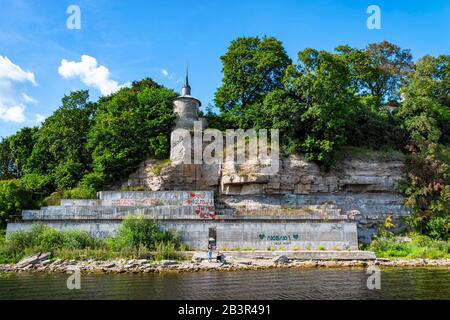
(427, 191)
(166, 250)
(13, 198)
(160, 165)
(252, 67)
(76, 193)
(80, 193)
(44, 239)
(39, 185)
(138, 232)
(426, 115)
(129, 126)
(420, 246)
(138, 238)
(426, 109)
(378, 71)
(15, 152)
(376, 130)
(321, 82)
(60, 147)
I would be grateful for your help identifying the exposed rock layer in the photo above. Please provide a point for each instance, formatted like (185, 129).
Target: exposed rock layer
(364, 186)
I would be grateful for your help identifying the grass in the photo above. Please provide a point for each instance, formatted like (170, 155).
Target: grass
(160, 165)
(137, 238)
(420, 246)
(366, 153)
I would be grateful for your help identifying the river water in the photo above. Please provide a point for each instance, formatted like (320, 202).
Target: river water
(396, 283)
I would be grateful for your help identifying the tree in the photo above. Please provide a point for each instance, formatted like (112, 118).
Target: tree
(8, 170)
(321, 81)
(15, 152)
(426, 115)
(252, 67)
(378, 71)
(60, 147)
(130, 126)
(21, 145)
(13, 198)
(426, 109)
(279, 110)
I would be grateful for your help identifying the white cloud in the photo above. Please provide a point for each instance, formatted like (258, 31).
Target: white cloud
(13, 114)
(165, 73)
(12, 103)
(11, 72)
(28, 99)
(90, 73)
(170, 76)
(38, 119)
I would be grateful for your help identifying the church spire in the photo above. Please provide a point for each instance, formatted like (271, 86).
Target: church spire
(186, 91)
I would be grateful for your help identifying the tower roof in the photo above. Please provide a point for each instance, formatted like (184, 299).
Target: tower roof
(186, 90)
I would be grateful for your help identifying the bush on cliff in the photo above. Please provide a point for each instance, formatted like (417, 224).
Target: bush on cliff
(130, 126)
(425, 115)
(13, 198)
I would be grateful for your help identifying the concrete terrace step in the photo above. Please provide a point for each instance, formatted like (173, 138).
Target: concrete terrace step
(163, 197)
(102, 213)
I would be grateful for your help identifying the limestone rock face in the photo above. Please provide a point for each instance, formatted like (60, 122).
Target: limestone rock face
(295, 176)
(361, 187)
(175, 177)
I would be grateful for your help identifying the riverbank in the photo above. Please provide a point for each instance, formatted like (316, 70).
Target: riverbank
(43, 263)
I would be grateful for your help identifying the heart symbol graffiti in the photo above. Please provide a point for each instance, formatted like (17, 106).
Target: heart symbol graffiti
(295, 236)
(262, 236)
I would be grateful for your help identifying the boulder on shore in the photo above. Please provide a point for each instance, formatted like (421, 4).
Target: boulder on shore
(281, 260)
(33, 260)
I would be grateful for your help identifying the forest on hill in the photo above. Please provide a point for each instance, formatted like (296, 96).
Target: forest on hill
(377, 98)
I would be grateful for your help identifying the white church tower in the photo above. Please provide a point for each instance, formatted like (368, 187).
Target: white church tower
(186, 107)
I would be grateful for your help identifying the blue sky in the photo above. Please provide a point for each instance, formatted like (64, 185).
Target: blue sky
(134, 39)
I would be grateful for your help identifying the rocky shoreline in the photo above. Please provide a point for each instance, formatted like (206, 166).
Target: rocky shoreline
(42, 263)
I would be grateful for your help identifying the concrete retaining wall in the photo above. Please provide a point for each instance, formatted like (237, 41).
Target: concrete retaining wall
(234, 234)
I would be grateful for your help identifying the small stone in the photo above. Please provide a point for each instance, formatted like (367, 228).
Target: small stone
(166, 263)
(281, 260)
(109, 265)
(45, 262)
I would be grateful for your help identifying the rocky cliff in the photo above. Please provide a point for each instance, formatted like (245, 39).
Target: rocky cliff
(360, 185)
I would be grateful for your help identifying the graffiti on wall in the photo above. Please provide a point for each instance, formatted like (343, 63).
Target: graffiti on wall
(278, 238)
(137, 202)
(203, 205)
(205, 212)
(198, 199)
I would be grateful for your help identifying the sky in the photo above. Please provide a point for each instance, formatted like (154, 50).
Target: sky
(120, 41)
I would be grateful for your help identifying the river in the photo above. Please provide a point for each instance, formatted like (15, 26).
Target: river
(279, 284)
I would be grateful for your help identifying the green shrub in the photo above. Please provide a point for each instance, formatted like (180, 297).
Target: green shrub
(80, 193)
(138, 231)
(53, 200)
(76, 239)
(43, 238)
(420, 246)
(166, 251)
(13, 198)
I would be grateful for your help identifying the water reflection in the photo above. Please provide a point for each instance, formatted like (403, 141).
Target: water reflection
(270, 284)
